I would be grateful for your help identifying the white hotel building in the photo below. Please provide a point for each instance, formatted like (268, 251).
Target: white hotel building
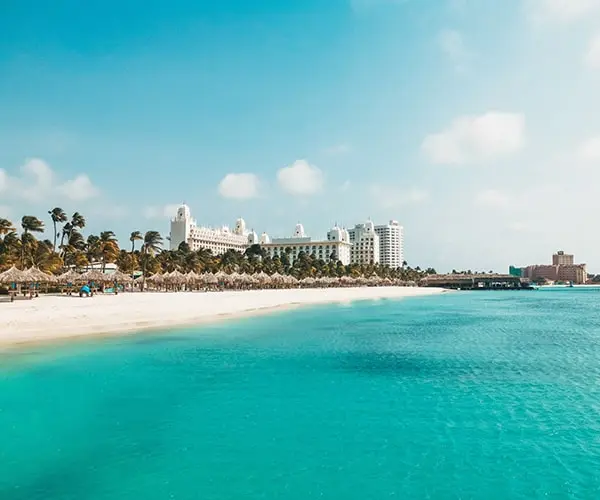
(337, 246)
(383, 244)
(185, 229)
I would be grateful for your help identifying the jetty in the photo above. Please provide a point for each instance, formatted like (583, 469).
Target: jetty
(476, 282)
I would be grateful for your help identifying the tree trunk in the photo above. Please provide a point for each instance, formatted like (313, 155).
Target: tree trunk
(54, 223)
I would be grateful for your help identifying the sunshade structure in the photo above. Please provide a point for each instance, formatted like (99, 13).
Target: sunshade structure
(120, 277)
(95, 276)
(192, 278)
(36, 276)
(277, 280)
(347, 281)
(209, 279)
(307, 282)
(156, 279)
(71, 276)
(14, 275)
(262, 278)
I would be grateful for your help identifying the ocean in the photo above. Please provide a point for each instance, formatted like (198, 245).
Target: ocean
(481, 395)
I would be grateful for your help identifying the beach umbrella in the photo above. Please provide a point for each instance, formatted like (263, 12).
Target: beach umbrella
(121, 277)
(94, 275)
(37, 276)
(209, 279)
(69, 277)
(14, 275)
(156, 279)
(308, 281)
(192, 278)
(291, 280)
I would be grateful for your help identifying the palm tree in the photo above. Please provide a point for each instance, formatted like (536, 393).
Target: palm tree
(151, 246)
(108, 247)
(133, 237)
(30, 224)
(77, 222)
(6, 226)
(57, 215)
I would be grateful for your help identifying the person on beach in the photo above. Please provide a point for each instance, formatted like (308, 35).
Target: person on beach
(85, 290)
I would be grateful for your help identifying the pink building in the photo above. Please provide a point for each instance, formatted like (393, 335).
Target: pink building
(562, 269)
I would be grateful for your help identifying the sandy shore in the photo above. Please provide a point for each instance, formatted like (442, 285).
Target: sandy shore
(59, 317)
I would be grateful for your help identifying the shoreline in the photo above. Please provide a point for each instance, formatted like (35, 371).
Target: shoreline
(49, 319)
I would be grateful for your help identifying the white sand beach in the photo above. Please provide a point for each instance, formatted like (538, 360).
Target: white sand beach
(58, 317)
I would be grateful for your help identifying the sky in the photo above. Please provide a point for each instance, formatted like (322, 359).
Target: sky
(475, 124)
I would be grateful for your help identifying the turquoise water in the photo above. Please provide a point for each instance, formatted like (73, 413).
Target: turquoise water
(491, 395)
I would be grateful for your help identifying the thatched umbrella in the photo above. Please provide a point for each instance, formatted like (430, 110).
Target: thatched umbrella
(209, 279)
(223, 278)
(156, 279)
(38, 276)
(347, 280)
(277, 279)
(262, 278)
(121, 277)
(95, 275)
(192, 278)
(69, 277)
(291, 280)
(14, 275)
(308, 281)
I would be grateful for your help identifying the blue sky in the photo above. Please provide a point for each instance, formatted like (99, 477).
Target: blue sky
(476, 124)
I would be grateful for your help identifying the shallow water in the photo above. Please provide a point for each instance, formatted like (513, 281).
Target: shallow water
(489, 395)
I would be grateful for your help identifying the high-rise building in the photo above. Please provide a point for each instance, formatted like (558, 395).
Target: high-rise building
(391, 243)
(560, 258)
(365, 247)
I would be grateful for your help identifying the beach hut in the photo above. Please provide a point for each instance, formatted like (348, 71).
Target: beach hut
(14, 277)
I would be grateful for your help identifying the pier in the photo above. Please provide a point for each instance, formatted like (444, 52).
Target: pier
(476, 282)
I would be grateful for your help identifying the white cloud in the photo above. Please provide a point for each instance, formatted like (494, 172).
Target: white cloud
(473, 139)
(492, 198)
(453, 46)
(560, 11)
(38, 181)
(592, 56)
(160, 212)
(239, 186)
(79, 189)
(392, 197)
(301, 179)
(589, 150)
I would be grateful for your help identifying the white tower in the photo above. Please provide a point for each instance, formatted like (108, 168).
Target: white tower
(181, 227)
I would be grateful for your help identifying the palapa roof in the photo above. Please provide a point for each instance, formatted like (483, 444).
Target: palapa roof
(262, 277)
(14, 275)
(175, 277)
(38, 276)
(156, 278)
(121, 277)
(95, 275)
(209, 279)
(68, 277)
